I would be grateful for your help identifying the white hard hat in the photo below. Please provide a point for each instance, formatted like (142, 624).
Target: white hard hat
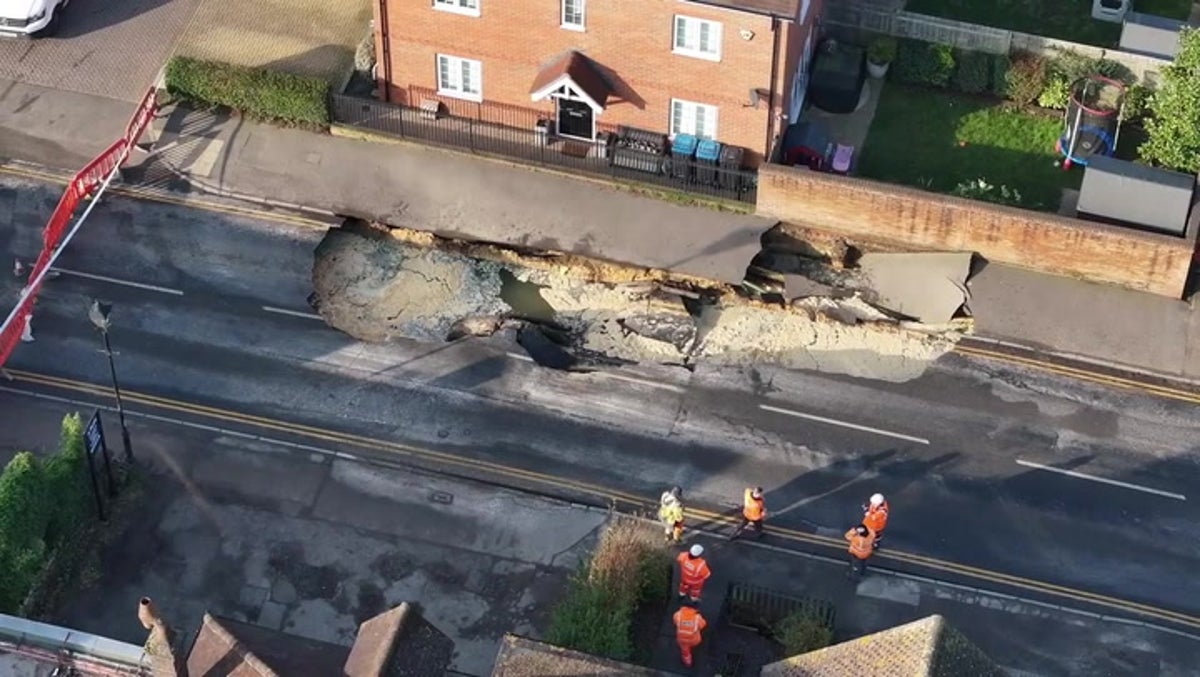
(877, 499)
(697, 550)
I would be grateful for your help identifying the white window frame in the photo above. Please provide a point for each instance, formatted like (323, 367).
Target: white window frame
(692, 25)
(712, 115)
(805, 8)
(465, 7)
(454, 87)
(582, 15)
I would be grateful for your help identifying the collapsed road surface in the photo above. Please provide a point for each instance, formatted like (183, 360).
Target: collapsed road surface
(378, 284)
(211, 310)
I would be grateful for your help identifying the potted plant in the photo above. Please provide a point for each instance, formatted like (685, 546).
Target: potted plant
(880, 54)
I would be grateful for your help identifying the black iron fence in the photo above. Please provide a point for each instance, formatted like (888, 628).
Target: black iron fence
(526, 136)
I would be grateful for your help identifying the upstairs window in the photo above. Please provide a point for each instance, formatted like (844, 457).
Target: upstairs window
(468, 7)
(572, 14)
(698, 38)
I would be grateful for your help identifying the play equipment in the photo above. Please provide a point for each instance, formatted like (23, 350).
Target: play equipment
(1092, 121)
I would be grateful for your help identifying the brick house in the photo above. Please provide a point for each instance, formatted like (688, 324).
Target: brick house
(731, 70)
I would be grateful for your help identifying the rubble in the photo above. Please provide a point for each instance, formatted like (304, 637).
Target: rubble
(379, 286)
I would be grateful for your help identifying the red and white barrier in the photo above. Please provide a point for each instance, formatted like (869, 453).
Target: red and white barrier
(89, 182)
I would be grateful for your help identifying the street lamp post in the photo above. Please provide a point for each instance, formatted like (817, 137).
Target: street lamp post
(98, 314)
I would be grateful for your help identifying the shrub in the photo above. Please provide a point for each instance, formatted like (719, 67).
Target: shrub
(972, 72)
(882, 50)
(999, 79)
(1026, 78)
(1137, 102)
(42, 507)
(629, 567)
(801, 632)
(1173, 129)
(924, 63)
(986, 192)
(1057, 93)
(258, 93)
(25, 508)
(592, 620)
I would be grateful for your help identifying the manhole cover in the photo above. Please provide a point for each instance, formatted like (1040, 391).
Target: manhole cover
(441, 497)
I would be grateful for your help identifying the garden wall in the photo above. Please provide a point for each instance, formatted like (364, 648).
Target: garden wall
(1054, 244)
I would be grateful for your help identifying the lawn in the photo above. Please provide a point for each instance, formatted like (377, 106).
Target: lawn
(1063, 19)
(936, 140)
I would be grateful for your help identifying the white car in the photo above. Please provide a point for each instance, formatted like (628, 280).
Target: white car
(30, 17)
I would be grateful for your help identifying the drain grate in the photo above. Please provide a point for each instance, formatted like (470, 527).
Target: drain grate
(443, 497)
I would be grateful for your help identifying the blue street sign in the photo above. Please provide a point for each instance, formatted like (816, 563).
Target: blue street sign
(93, 435)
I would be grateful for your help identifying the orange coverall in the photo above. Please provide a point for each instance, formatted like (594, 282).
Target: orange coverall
(688, 626)
(693, 572)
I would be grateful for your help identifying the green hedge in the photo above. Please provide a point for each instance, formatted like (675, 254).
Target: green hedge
(42, 504)
(923, 63)
(973, 72)
(999, 79)
(267, 95)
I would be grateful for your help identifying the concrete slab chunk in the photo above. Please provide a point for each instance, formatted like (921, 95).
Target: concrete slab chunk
(929, 288)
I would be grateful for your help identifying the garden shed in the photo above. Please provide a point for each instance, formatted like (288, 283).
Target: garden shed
(1151, 35)
(1130, 194)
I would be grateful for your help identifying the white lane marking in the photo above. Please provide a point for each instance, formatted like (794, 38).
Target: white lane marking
(630, 379)
(293, 313)
(844, 424)
(1105, 480)
(113, 280)
(519, 356)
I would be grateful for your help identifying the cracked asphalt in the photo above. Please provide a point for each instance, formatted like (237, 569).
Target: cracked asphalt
(944, 447)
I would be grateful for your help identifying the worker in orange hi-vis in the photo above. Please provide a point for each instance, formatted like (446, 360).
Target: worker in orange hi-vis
(862, 546)
(875, 516)
(693, 572)
(754, 511)
(688, 626)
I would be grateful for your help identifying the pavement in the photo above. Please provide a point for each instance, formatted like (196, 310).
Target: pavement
(461, 196)
(312, 544)
(1077, 484)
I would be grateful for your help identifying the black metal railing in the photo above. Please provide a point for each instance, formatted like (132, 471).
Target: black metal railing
(525, 136)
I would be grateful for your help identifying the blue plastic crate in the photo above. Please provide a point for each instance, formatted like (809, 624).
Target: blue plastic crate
(708, 151)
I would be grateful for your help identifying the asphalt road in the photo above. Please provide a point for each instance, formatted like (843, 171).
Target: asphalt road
(210, 310)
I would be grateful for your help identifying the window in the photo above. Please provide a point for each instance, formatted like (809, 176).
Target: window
(698, 38)
(572, 14)
(460, 78)
(697, 119)
(468, 7)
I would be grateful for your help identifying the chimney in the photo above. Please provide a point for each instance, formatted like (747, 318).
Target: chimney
(160, 643)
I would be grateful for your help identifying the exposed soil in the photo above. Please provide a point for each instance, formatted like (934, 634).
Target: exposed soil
(378, 284)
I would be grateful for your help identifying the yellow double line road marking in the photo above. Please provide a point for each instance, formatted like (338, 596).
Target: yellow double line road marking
(604, 493)
(166, 198)
(1083, 374)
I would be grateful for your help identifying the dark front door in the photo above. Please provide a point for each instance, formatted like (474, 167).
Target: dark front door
(575, 119)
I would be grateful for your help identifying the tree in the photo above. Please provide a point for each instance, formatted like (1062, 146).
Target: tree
(1174, 124)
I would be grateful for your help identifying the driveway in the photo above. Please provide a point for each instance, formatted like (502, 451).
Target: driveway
(109, 49)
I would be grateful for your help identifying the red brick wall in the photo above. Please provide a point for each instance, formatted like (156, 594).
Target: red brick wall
(1045, 242)
(632, 39)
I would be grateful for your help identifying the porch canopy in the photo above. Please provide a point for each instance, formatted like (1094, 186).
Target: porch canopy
(572, 76)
